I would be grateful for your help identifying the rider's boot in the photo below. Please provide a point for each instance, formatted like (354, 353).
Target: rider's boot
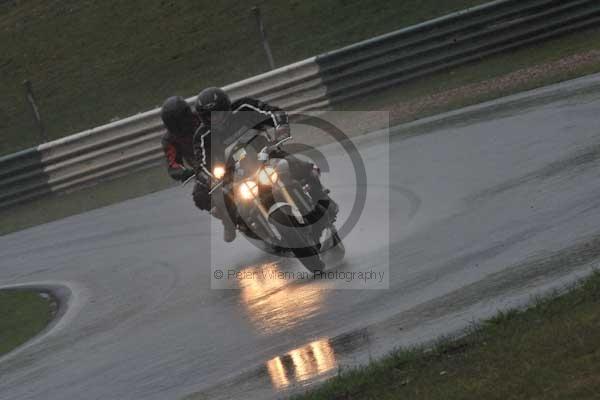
(229, 233)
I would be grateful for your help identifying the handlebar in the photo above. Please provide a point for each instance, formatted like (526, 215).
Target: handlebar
(262, 156)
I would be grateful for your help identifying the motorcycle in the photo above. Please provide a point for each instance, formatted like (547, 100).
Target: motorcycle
(253, 189)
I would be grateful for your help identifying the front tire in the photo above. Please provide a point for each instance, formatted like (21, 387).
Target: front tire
(290, 230)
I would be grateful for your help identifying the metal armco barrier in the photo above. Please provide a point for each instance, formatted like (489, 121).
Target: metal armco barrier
(315, 83)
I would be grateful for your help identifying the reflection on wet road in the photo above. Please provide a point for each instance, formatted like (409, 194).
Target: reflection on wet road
(276, 304)
(301, 364)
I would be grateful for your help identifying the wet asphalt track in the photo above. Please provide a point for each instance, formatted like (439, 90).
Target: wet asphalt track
(486, 208)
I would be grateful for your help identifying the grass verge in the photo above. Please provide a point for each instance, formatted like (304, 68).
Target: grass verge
(552, 61)
(23, 314)
(548, 351)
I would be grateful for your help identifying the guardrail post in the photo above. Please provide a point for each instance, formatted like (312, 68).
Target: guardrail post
(35, 110)
(263, 36)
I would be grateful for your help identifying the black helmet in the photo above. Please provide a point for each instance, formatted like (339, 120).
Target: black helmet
(177, 116)
(213, 100)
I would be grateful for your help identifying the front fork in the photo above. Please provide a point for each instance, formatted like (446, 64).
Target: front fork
(310, 215)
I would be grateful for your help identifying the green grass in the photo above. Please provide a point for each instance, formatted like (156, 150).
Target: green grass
(92, 61)
(549, 351)
(23, 314)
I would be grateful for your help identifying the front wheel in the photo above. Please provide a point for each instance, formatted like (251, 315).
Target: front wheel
(291, 234)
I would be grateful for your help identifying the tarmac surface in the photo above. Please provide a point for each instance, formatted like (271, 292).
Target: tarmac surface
(465, 214)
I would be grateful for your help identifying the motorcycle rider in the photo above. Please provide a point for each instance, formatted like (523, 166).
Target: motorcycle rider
(215, 119)
(181, 124)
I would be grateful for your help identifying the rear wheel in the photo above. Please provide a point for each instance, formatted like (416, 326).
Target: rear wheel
(291, 234)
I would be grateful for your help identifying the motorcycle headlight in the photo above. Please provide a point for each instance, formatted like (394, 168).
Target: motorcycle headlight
(219, 171)
(267, 176)
(248, 190)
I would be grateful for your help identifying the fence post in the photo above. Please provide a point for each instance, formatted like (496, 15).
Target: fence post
(35, 110)
(263, 36)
